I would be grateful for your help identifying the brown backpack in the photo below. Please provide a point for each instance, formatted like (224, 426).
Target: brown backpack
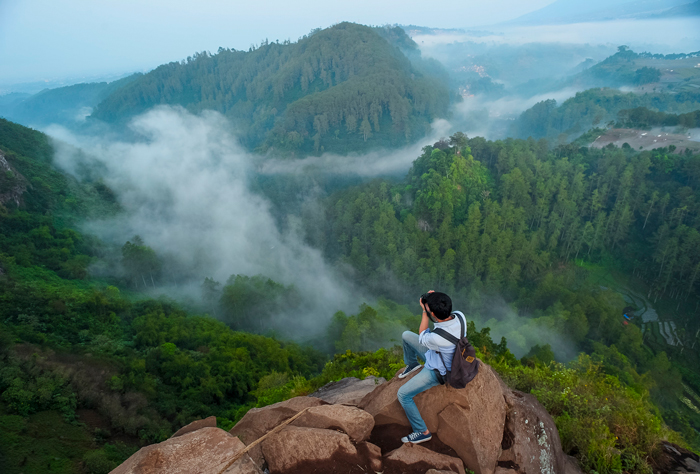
(465, 365)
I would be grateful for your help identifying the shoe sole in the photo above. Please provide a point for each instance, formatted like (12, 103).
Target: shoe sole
(402, 375)
(417, 442)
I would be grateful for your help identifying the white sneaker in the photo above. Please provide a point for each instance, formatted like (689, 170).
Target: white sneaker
(408, 370)
(417, 437)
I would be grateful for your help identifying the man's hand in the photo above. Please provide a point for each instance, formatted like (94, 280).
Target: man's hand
(424, 323)
(420, 302)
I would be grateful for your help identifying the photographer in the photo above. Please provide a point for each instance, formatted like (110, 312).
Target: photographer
(437, 353)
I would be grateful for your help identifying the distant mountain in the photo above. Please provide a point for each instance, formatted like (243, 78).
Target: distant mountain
(689, 9)
(575, 11)
(63, 105)
(11, 99)
(345, 88)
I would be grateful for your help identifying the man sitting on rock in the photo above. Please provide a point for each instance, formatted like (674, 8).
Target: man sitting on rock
(437, 353)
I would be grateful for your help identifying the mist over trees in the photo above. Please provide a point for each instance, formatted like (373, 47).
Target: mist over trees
(549, 247)
(341, 89)
(592, 108)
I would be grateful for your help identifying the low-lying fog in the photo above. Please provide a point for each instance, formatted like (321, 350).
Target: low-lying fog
(663, 36)
(184, 188)
(185, 185)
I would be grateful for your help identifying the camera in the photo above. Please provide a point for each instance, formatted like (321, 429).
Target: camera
(424, 298)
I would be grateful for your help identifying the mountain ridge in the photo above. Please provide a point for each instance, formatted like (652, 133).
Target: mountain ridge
(343, 88)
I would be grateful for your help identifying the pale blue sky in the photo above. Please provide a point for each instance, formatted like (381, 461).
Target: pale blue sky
(53, 39)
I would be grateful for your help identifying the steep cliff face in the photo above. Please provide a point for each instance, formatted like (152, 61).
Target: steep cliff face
(486, 428)
(12, 184)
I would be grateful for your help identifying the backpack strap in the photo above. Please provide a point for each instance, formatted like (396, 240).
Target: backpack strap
(446, 335)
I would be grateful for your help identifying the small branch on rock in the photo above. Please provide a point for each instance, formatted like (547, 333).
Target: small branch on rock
(277, 428)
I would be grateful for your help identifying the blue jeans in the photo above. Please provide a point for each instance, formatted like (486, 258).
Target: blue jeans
(420, 382)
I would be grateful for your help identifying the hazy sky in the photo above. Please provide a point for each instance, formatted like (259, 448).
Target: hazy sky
(50, 39)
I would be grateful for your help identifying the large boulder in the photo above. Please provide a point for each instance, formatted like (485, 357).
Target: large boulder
(204, 451)
(530, 440)
(259, 421)
(354, 422)
(412, 458)
(348, 391)
(469, 420)
(296, 449)
(209, 422)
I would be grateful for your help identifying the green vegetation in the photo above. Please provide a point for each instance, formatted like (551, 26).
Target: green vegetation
(484, 220)
(618, 70)
(642, 117)
(69, 343)
(516, 232)
(595, 107)
(340, 89)
(608, 425)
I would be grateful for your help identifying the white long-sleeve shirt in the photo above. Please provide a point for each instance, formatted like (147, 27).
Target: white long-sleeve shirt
(436, 343)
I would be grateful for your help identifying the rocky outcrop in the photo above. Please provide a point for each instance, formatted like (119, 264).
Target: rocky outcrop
(296, 449)
(348, 391)
(530, 439)
(469, 420)
(486, 428)
(205, 451)
(12, 184)
(259, 421)
(413, 458)
(356, 423)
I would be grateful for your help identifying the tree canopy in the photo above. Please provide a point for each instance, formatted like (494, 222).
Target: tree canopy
(339, 89)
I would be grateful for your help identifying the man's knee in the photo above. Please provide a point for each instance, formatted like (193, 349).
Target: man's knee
(402, 395)
(407, 336)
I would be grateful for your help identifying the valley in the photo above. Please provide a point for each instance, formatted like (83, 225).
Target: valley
(235, 229)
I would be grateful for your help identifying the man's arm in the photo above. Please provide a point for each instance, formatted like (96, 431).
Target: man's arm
(424, 322)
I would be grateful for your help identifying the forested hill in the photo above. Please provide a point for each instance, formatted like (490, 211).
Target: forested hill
(340, 89)
(594, 107)
(95, 359)
(63, 105)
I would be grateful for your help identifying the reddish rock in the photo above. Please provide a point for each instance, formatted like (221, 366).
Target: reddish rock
(413, 458)
(372, 454)
(469, 420)
(205, 451)
(259, 421)
(196, 425)
(504, 470)
(348, 391)
(467, 431)
(531, 440)
(439, 471)
(296, 449)
(354, 422)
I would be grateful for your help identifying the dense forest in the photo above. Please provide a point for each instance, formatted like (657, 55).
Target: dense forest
(341, 89)
(642, 117)
(511, 221)
(592, 108)
(538, 227)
